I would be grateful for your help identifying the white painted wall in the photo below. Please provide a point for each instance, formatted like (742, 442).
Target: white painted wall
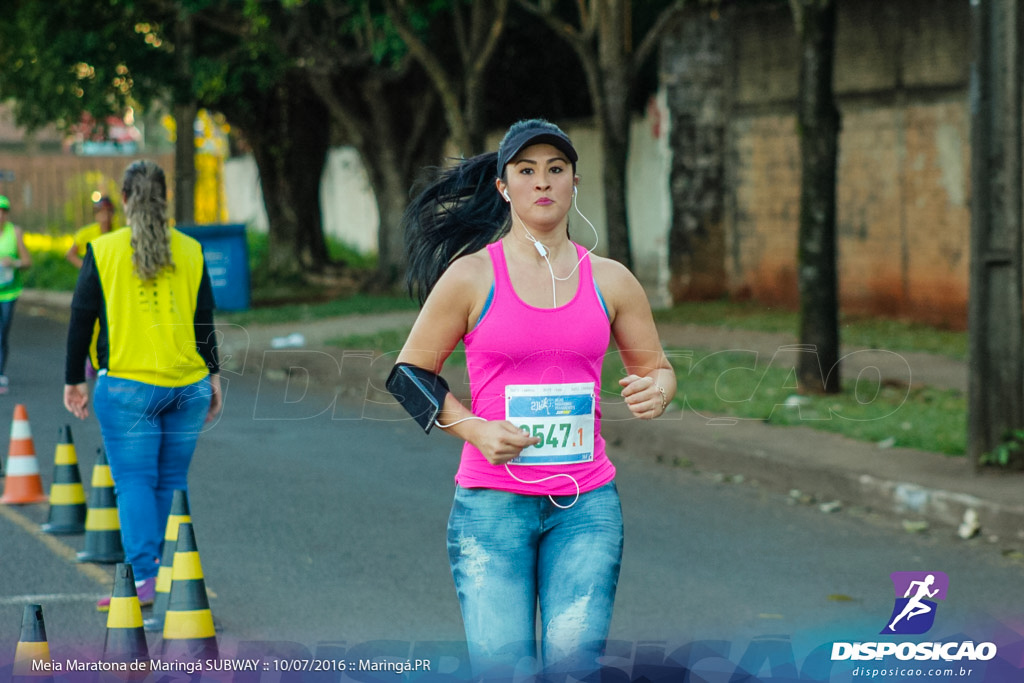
(350, 211)
(243, 193)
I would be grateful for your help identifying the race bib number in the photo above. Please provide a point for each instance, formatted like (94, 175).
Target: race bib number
(560, 415)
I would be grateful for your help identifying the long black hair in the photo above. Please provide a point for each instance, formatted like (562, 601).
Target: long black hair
(458, 212)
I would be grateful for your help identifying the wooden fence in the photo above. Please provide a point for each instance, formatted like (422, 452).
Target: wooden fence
(53, 193)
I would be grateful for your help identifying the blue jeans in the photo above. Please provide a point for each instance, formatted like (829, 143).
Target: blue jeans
(6, 317)
(149, 433)
(511, 553)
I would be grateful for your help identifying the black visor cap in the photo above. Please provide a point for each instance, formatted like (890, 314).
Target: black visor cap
(534, 136)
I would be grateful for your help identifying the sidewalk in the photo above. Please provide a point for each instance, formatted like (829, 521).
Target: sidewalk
(815, 466)
(828, 469)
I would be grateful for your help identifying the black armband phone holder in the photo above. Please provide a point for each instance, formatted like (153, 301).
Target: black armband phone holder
(420, 392)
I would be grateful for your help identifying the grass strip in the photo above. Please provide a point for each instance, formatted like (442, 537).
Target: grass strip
(738, 384)
(855, 331)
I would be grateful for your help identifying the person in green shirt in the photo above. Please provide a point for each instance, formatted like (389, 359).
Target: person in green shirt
(14, 258)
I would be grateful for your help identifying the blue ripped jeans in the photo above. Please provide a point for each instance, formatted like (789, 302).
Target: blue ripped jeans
(511, 554)
(149, 433)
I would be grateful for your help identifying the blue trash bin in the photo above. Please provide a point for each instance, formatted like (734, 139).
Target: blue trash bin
(227, 260)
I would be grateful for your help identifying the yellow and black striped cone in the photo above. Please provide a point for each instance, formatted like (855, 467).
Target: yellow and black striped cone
(179, 515)
(102, 527)
(126, 640)
(67, 497)
(188, 624)
(33, 652)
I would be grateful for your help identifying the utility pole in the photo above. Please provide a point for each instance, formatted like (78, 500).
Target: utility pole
(996, 383)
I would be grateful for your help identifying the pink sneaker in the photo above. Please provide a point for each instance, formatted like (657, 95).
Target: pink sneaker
(145, 589)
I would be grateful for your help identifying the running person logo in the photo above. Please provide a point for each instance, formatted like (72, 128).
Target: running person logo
(914, 610)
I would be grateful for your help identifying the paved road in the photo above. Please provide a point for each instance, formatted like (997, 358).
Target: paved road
(320, 524)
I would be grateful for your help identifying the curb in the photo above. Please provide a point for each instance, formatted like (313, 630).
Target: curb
(921, 489)
(47, 298)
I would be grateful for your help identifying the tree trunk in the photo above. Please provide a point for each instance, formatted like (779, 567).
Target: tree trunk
(185, 110)
(615, 132)
(995, 386)
(603, 41)
(614, 58)
(818, 365)
(693, 64)
(392, 190)
(475, 30)
(396, 124)
(290, 174)
(394, 163)
(185, 163)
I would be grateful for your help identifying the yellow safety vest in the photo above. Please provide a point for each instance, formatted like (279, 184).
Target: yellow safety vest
(150, 325)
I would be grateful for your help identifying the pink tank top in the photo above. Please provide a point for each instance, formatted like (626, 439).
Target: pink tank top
(515, 343)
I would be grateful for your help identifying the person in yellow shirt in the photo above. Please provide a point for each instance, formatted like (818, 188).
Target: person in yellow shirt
(156, 355)
(103, 211)
(14, 258)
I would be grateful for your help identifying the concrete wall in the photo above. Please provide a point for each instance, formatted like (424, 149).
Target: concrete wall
(901, 75)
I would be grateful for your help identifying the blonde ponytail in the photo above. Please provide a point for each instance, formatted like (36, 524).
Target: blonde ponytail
(145, 197)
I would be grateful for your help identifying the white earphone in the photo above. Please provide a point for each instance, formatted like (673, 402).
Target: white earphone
(526, 481)
(542, 250)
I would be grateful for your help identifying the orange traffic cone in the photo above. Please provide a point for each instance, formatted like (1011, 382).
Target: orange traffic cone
(126, 641)
(102, 526)
(179, 515)
(22, 484)
(67, 497)
(32, 655)
(188, 624)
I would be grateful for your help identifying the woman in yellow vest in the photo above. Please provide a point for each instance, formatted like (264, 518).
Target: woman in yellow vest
(156, 356)
(14, 258)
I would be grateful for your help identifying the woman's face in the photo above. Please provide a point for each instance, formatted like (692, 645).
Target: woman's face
(539, 181)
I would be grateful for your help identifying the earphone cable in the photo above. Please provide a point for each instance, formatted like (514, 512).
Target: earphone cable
(542, 250)
(524, 481)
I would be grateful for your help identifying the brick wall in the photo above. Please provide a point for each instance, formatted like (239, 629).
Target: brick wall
(901, 74)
